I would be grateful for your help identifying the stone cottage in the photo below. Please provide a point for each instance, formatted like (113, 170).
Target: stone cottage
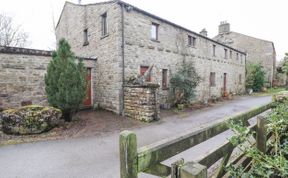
(127, 40)
(257, 50)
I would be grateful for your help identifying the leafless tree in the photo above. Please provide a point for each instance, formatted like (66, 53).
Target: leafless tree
(11, 34)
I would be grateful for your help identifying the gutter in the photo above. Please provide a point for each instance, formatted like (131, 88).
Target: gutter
(123, 61)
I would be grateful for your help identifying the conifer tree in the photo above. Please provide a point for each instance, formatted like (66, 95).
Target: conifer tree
(65, 81)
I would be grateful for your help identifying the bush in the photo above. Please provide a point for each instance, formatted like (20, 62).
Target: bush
(255, 77)
(183, 84)
(65, 81)
(274, 162)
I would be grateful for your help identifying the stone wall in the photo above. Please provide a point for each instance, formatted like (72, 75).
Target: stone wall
(141, 102)
(22, 74)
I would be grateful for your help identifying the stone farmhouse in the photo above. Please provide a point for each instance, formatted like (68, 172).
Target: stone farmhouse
(257, 50)
(127, 40)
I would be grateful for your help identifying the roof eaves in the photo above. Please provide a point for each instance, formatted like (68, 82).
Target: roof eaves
(67, 2)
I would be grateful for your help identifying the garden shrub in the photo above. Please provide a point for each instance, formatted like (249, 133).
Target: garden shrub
(65, 81)
(183, 84)
(255, 77)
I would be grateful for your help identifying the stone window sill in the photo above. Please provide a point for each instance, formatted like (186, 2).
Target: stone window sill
(191, 46)
(154, 40)
(104, 36)
(85, 43)
(165, 88)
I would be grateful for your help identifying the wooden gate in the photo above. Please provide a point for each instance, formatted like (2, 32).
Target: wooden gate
(148, 158)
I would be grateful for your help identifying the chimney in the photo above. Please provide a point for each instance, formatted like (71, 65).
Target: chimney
(224, 27)
(79, 1)
(204, 32)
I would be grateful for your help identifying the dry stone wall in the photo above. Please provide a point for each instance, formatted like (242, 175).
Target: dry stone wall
(141, 102)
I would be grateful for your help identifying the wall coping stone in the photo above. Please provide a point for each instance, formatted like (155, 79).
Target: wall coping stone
(147, 85)
(36, 52)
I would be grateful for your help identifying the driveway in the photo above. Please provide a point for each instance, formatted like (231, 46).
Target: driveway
(98, 156)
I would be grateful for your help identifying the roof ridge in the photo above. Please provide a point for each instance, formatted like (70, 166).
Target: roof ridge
(155, 17)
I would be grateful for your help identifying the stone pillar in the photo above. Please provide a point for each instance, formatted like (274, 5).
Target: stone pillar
(141, 102)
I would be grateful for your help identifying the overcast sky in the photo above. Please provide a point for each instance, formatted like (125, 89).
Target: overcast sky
(265, 19)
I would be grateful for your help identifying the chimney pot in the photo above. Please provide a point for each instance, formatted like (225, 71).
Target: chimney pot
(204, 32)
(224, 27)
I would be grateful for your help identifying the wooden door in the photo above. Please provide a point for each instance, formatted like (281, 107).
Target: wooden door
(225, 84)
(88, 100)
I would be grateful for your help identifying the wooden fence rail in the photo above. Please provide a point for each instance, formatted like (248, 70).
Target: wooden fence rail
(148, 158)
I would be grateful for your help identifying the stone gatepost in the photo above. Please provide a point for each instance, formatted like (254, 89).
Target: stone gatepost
(141, 102)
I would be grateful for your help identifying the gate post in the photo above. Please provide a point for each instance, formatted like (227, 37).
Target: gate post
(193, 170)
(128, 155)
(261, 137)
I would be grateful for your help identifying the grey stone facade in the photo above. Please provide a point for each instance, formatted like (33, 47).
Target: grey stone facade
(22, 74)
(258, 50)
(129, 43)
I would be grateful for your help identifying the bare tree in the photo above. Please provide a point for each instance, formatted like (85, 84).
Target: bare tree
(11, 34)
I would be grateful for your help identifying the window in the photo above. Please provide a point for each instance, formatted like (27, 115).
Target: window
(191, 41)
(214, 50)
(212, 79)
(164, 79)
(240, 79)
(225, 53)
(241, 57)
(143, 69)
(104, 24)
(85, 32)
(237, 56)
(231, 54)
(154, 31)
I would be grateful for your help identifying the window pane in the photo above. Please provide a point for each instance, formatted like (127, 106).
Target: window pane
(164, 78)
(212, 79)
(85, 36)
(104, 24)
(193, 41)
(189, 40)
(154, 31)
(143, 70)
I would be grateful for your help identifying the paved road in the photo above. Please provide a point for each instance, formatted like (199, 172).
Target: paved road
(98, 157)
